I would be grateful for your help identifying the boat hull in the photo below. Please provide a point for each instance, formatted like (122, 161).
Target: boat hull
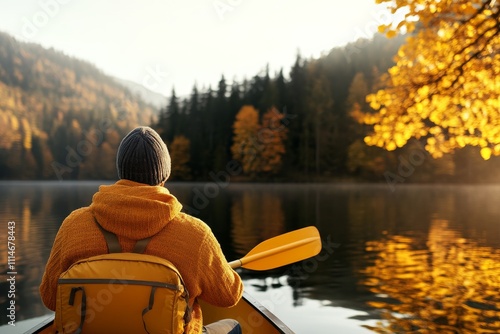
(252, 316)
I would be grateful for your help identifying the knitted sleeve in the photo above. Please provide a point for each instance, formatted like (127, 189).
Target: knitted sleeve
(221, 285)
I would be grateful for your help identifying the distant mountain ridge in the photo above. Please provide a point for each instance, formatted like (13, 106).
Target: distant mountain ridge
(62, 117)
(155, 99)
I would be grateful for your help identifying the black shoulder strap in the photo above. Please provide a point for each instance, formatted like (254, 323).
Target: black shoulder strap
(114, 245)
(111, 239)
(140, 245)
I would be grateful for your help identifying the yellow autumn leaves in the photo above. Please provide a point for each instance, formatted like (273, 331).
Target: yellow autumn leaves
(17, 125)
(445, 86)
(259, 146)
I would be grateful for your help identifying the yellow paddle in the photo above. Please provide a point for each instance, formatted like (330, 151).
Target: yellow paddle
(282, 250)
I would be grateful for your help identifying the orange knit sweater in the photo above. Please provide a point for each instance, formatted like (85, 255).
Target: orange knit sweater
(135, 211)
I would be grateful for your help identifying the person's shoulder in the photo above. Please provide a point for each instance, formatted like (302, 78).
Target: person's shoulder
(76, 225)
(194, 222)
(78, 213)
(196, 231)
(78, 216)
(191, 227)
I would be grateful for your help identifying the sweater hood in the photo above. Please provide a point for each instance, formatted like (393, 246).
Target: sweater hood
(134, 210)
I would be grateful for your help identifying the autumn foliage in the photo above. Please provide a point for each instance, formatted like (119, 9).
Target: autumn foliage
(445, 86)
(272, 135)
(245, 147)
(259, 146)
(64, 118)
(180, 156)
(61, 118)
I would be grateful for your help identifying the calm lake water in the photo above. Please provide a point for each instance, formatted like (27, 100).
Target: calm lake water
(419, 259)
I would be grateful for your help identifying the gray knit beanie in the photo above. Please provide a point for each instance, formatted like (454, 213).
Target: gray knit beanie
(143, 157)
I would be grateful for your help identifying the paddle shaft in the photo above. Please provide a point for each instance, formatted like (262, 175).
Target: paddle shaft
(238, 263)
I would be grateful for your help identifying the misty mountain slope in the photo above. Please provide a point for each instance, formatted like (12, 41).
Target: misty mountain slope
(62, 117)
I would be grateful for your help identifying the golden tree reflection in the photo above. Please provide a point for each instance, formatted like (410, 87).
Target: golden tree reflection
(447, 285)
(31, 248)
(255, 217)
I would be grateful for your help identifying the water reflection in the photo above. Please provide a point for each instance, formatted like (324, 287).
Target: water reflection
(441, 284)
(255, 216)
(419, 259)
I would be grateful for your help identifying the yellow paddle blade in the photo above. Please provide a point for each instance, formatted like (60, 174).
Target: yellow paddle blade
(282, 250)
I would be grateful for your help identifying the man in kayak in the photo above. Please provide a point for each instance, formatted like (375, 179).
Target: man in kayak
(136, 207)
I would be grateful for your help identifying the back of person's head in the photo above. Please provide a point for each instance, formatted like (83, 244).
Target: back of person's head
(143, 157)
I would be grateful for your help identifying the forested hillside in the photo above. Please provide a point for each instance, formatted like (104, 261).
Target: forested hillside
(312, 105)
(305, 125)
(61, 117)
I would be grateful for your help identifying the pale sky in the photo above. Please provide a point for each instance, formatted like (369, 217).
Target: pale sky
(172, 43)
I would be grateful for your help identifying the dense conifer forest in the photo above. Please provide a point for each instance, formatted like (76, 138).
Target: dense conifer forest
(63, 119)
